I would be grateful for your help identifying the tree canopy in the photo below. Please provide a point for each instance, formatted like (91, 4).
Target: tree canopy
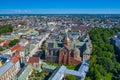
(103, 63)
(13, 42)
(5, 29)
(70, 77)
(1, 49)
(43, 47)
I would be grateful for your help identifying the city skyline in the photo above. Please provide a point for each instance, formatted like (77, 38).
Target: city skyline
(60, 7)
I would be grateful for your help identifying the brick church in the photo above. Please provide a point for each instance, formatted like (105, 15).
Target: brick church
(65, 52)
(68, 55)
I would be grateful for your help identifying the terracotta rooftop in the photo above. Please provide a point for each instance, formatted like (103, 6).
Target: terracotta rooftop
(5, 44)
(77, 28)
(15, 47)
(3, 23)
(7, 41)
(33, 60)
(16, 59)
(20, 48)
(1, 41)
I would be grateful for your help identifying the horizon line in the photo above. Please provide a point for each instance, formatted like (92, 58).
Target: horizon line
(55, 13)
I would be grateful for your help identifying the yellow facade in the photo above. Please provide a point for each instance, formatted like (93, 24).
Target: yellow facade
(9, 74)
(1, 63)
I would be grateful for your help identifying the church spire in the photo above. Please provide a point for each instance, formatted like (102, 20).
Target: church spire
(67, 40)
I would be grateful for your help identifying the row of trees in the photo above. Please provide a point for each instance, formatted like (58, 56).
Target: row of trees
(103, 63)
(13, 42)
(5, 29)
(1, 48)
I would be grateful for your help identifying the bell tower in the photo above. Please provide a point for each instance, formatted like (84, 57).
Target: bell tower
(67, 40)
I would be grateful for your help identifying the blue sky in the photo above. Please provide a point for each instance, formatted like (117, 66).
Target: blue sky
(60, 6)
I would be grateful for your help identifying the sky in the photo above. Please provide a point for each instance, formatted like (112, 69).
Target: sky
(59, 6)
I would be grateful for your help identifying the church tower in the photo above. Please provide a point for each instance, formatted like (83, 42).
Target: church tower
(67, 40)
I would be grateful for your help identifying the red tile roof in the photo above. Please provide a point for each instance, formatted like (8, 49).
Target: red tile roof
(33, 60)
(5, 45)
(16, 59)
(7, 41)
(15, 47)
(1, 42)
(20, 48)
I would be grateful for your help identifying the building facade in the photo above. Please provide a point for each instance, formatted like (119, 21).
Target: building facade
(7, 71)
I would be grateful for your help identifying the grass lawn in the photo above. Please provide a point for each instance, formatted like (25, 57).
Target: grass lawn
(71, 66)
(38, 75)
